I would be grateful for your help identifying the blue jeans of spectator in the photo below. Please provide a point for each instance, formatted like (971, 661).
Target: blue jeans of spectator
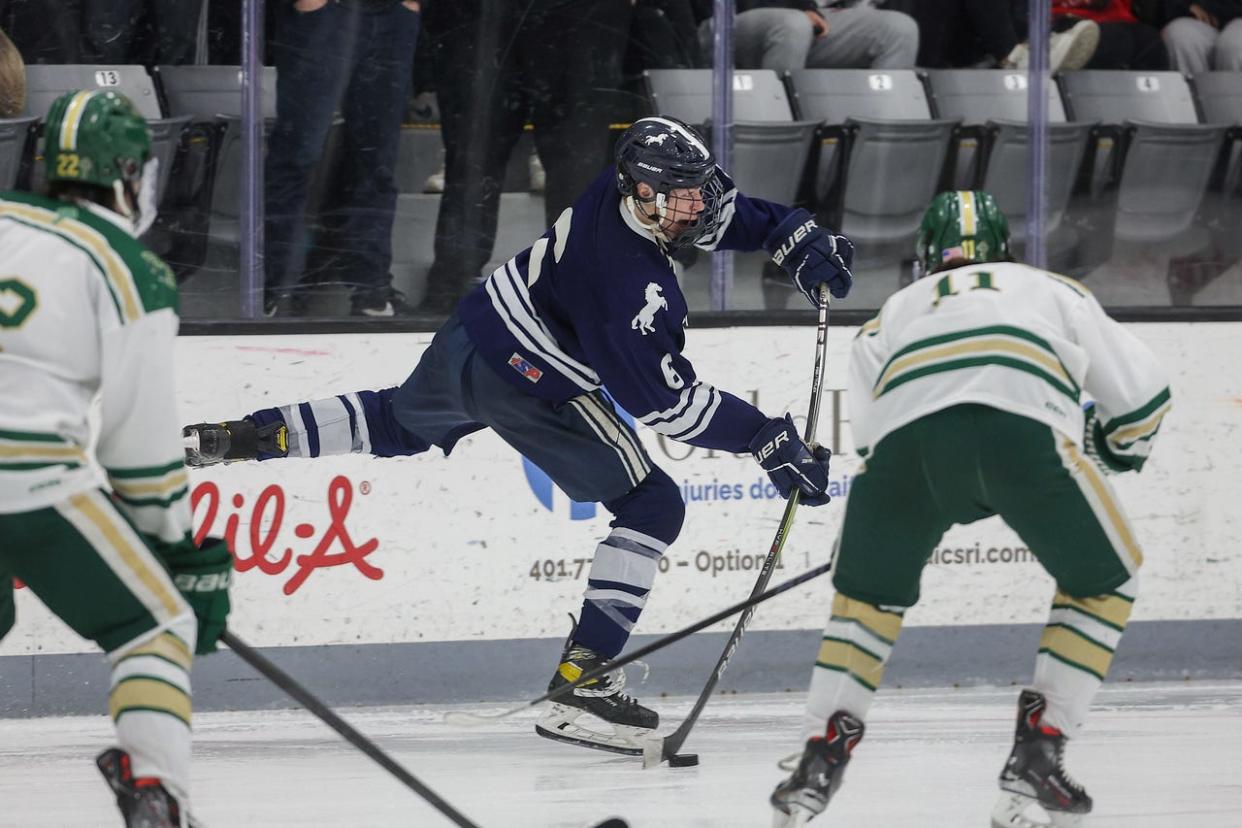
(357, 61)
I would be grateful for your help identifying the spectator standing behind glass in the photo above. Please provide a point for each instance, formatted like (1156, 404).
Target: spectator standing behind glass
(44, 31)
(1125, 42)
(355, 56)
(784, 35)
(497, 65)
(1204, 35)
(140, 31)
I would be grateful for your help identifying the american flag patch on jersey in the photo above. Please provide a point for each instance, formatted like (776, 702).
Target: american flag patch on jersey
(520, 364)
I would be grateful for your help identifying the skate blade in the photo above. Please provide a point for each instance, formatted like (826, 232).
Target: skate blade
(560, 725)
(1012, 811)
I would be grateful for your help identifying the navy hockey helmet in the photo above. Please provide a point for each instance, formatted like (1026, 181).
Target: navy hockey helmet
(668, 155)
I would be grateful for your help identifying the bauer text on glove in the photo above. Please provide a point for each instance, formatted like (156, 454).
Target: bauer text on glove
(202, 576)
(812, 256)
(790, 463)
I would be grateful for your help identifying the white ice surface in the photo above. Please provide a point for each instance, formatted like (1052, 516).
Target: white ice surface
(1153, 756)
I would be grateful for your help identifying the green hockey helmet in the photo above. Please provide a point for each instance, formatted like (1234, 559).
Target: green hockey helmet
(95, 137)
(963, 225)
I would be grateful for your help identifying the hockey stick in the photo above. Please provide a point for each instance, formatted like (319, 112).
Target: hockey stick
(474, 719)
(286, 682)
(660, 748)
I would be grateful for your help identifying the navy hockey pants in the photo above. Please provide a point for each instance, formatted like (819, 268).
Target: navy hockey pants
(582, 444)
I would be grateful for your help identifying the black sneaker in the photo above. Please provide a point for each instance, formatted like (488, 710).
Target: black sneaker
(379, 301)
(209, 443)
(1034, 772)
(290, 303)
(818, 775)
(144, 801)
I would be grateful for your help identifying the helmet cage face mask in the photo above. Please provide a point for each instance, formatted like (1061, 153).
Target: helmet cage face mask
(669, 156)
(678, 225)
(99, 139)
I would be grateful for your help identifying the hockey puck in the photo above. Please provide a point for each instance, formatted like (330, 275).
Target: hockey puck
(683, 760)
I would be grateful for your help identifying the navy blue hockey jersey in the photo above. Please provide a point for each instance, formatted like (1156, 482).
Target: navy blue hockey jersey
(595, 302)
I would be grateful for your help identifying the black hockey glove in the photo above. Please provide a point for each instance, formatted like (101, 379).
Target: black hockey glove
(202, 576)
(791, 463)
(812, 256)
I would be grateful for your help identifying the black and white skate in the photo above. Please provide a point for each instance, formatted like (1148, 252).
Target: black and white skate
(209, 443)
(599, 700)
(805, 794)
(1034, 775)
(144, 802)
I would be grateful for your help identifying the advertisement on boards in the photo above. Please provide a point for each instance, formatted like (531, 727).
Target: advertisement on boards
(482, 545)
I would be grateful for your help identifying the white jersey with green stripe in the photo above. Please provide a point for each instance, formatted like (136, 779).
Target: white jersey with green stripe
(1012, 337)
(86, 312)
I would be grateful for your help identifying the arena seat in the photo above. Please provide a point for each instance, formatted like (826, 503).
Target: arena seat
(210, 96)
(1220, 99)
(14, 141)
(1162, 156)
(882, 154)
(770, 148)
(46, 82)
(993, 104)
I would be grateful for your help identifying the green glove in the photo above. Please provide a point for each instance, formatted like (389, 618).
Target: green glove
(203, 576)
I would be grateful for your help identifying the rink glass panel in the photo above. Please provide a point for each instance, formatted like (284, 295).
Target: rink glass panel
(1143, 170)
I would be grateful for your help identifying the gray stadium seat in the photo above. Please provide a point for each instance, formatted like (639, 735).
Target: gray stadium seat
(882, 154)
(14, 133)
(1163, 158)
(770, 148)
(212, 95)
(1220, 97)
(46, 82)
(995, 102)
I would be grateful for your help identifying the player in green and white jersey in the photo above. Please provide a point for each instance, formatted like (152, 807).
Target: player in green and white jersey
(87, 312)
(967, 396)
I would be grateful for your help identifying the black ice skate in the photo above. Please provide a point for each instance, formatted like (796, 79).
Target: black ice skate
(209, 443)
(602, 699)
(1034, 775)
(144, 802)
(818, 775)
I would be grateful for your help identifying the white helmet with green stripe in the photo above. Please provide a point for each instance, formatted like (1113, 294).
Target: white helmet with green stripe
(97, 137)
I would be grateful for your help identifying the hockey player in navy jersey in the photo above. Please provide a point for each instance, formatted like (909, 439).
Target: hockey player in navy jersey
(594, 303)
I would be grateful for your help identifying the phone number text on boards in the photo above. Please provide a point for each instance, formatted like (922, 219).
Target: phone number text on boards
(703, 562)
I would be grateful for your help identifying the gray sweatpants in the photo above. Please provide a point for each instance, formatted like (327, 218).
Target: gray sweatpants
(782, 39)
(1196, 47)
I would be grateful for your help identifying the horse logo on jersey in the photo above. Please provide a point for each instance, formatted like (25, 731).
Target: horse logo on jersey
(655, 302)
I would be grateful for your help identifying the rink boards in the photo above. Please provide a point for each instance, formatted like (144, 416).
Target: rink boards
(426, 577)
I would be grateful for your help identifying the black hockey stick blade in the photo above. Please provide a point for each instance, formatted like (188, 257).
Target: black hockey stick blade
(325, 714)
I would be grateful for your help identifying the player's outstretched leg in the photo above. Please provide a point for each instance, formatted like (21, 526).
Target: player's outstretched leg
(144, 802)
(603, 699)
(818, 775)
(361, 422)
(1034, 773)
(207, 444)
